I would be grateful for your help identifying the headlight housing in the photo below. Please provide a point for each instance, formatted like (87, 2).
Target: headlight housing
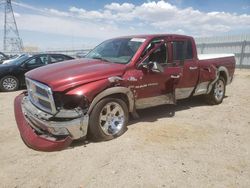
(69, 102)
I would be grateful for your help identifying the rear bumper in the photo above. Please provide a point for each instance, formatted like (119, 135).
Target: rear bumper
(29, 136)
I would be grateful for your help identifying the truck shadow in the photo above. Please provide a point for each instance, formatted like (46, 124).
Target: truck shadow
(168, 111)
(154, 113)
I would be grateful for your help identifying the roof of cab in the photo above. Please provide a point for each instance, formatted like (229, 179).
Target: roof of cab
(151, 36)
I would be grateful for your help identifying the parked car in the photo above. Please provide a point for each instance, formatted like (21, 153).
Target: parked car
(94, 96)
(3, 57)
(13, 58)
(12, 72)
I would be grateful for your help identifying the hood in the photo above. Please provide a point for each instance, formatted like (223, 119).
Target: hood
(7, 65)
(67, 74)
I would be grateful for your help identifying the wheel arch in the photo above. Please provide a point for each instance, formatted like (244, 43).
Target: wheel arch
(119, 92)
(222, 71)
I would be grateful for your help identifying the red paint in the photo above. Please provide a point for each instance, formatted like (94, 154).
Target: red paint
(74, 73)
(64, 75)
(89, 90)
(90, 77)
(30, 138)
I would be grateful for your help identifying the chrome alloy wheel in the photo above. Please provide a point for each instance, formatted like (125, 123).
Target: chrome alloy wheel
(9, 84)
(112, 118)
(219, 90)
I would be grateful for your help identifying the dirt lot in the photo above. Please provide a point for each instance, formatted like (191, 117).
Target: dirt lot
(200, 146)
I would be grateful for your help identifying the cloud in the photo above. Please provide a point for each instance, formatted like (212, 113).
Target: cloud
(116, 19)
(153, 16)
(89, 15)
(16, 14)
(164, 17)
(67, 27)
(125, 7)
(57, 12)
(23, 5)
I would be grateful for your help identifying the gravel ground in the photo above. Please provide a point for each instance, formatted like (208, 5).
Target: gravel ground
(198, 146)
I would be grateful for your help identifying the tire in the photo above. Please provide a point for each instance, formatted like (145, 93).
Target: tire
(108, 119)
(217, 93)
(9, 83)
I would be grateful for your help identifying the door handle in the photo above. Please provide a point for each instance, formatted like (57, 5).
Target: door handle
(175, 76)
(206, 69)
(193, 68)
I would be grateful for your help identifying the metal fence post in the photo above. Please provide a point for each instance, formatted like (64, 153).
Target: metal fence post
(243, 46)
(202, 47)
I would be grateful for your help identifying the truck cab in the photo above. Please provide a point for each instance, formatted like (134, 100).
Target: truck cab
(95, 96)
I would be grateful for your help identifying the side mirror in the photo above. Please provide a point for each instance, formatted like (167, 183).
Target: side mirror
(142, 65)
(24, 65)
(155, 67)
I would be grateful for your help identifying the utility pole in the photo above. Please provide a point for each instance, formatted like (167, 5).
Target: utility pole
(12, 43)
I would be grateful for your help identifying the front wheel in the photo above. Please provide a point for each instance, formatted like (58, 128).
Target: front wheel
(217, 93)
(108, 119)
(9, 83)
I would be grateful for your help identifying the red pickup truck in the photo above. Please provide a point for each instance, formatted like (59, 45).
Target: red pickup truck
(94, 96)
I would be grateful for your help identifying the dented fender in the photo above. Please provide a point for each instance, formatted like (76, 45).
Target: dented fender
(111, 91)
(95, 91)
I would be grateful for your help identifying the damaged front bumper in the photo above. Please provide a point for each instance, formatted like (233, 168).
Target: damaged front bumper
(42, 131)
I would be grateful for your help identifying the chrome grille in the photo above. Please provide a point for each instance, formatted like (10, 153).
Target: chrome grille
(42, 92)
(41, 96)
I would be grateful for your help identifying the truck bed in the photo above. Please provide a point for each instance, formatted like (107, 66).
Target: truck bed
(213, 56)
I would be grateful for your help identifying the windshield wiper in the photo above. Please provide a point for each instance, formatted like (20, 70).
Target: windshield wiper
(100, 58)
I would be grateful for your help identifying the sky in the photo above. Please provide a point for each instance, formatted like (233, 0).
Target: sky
(81, 24)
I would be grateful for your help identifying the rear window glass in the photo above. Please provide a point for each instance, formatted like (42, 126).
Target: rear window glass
(182, 50)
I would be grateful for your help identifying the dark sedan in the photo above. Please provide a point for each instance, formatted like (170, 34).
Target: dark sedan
(12, 73)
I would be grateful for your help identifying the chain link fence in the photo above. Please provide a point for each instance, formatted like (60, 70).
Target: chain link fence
(238, 45)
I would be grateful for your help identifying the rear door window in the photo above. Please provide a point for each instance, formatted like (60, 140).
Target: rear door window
(189, 51)
(178, 50)
(182, 50)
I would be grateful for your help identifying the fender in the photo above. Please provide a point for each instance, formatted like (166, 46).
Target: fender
(220, 69)
(91, 89)
(114, 90)
(224, 69)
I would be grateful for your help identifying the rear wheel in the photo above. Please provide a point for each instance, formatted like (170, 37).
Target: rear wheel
(108, 119)
(9, 83)
(218, 92)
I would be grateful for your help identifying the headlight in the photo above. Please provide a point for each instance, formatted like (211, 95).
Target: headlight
(69, 102)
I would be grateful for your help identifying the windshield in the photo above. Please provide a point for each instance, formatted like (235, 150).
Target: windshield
(116, 50)
(19, 60)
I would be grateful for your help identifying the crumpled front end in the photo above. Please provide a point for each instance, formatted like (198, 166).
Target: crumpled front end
(42, 131)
